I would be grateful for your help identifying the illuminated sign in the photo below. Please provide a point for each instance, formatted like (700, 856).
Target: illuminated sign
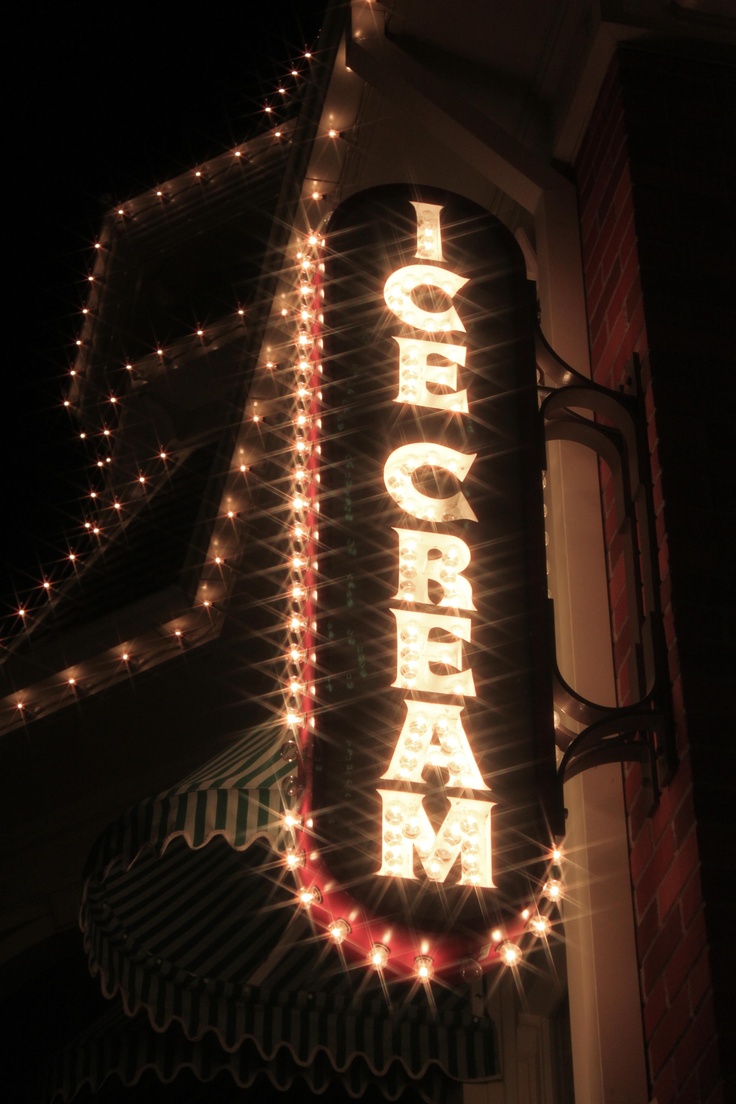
(433, 756)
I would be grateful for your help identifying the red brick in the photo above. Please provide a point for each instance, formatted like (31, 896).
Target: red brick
(670, 1031)
(683, 961)
(623, 683)
(665, 1087)
(646, 931)
(671, 798)
(700, 980)
(615, 304)
(655, 1008)
(712, 1090)
(684, 819)
(632, 782)
(695, 1042)
(640, 853)
(689, 1093)
(661, 951)
(639, 810)
(677, 877)
(647, 887)
(691, 899)
(620, 616)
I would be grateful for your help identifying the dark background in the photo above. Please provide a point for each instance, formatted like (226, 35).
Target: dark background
(102, 103)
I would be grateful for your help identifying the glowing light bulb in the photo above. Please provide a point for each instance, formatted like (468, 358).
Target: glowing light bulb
(423, 967)
(379, 955)
(553, 889)
(21, 613)
(141, 479)
(46, 585)
(557, 855)
(291, 820)
(509, 953)
(125, 657)
(163, 455)
(72, 681)
(294, 858)
(339, 930)
(310, 896)
(540, 924)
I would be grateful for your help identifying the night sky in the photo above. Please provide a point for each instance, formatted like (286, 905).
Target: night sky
(105, 102)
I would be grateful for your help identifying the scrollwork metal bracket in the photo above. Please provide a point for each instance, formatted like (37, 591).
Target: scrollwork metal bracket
(613, 425)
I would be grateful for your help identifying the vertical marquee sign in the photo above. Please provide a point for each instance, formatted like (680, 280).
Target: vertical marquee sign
(434, 752)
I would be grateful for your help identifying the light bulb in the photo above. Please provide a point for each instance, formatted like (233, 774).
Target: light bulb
(509, 953)
(540, 924)
(423, 967)
(553, 889)
(379, 955)
(339, 930)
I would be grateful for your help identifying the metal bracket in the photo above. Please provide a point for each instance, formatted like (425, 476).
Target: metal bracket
(613, 425)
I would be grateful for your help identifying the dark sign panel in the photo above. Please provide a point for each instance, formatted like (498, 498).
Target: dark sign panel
(434, 745)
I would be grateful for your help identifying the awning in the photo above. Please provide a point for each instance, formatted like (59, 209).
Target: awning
(190, 920)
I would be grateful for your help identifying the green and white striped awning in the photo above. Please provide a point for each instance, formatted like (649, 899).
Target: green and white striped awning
(189, 920)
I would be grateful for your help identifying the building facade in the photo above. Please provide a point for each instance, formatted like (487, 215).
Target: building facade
(188, 706)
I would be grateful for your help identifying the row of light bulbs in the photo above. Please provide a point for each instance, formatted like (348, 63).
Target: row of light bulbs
(297, 70)
(300, 597)
(93, 528)
(537, 922)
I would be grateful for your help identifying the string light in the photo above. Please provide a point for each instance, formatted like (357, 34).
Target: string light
(339, 930)
(294, 858)
(379, 956)
(424, 967)
(553, 889)
(509, 953)
(540, 924)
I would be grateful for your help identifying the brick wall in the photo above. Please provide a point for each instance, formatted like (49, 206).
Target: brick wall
(646, 191)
